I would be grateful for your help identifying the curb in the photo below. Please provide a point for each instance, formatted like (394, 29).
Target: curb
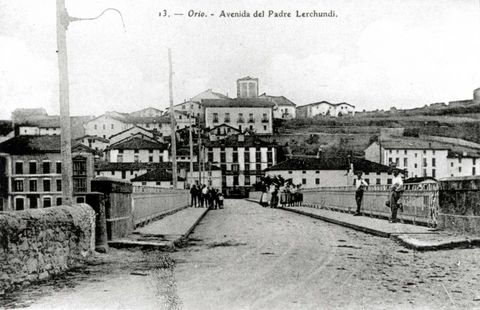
(158, 217)
(371, 231)
(184, 237)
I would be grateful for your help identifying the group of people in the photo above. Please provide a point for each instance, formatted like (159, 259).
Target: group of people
(396, 190)
(203, 196)
(277, 191)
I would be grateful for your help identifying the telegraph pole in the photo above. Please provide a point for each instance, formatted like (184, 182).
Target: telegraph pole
(66, 145)
(199, 156)
(172, 120)
(190, 135)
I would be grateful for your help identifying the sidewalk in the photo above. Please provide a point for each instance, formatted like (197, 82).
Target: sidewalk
(411, 236)
(164, 234)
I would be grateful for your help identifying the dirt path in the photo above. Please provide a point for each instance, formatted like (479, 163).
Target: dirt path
(249, 257)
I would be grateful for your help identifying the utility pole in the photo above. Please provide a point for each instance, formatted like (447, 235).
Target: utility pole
(63, 20)
(199, 159)
(66, 136)
(172, 120)
(190, 135)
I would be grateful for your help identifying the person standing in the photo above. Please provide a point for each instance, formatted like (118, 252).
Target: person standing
(395, 194)
(193, 196)
(360, 186)
(204, 196)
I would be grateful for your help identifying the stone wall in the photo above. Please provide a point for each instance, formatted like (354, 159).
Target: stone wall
(460, 204)
(38, 243)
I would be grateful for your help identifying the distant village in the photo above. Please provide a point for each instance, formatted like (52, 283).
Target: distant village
(226, 143)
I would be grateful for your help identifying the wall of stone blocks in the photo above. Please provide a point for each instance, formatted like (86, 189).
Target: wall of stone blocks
(36, 244)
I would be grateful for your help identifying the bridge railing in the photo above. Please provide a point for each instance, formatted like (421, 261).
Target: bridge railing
(149, 203)
(419, 200)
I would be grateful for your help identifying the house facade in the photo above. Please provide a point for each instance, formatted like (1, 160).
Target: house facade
(330, 172)
(325, 108)
(254, 115)
(242, 158)
(31, 172)
(283, 107)
(94, 142)
(160, 178)
(137, 149)
(424, 157)
(147, 112)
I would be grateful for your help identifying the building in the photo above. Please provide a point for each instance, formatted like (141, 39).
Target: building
(427, 156)
(137, 149)
(283, 108)
(47, 125)
(325, 108)
(147, 112)
(94, 142)
(221, 131)
(30, 172)
(245, 114)
(194, 107)
(247, 87)
(211, 174)
(136, 131)
(242, 158)
(158, 178)
(330, 172)
(112, 123)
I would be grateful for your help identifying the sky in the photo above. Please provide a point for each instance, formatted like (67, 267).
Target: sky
(373, 54)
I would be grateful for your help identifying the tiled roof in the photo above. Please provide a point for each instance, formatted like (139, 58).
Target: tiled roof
(412, 143)
(238, 103)
(101, 139)
(278, 100)
(233, 140)
(326, 102)
(156, 175)
(137, 143)
(329, 163)
(22, 145)
(147, 119)
(107, 166)
(223, 125)
(42, 122)
(247, 78)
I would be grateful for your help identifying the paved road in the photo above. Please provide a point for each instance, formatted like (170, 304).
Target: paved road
(249, 257)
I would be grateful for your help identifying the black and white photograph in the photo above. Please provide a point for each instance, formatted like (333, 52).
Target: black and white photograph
(191, 155)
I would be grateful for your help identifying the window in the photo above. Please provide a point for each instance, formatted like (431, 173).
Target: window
(460, 160)
(32, 167)
(124, 174)
(474, 161)
(81, 199)
(258, 167)
(59, 201)
(270, 156)
(304, 181)
(264, 127)
(264, 118)
(235, 156)
(474, 171)
(18, 185)
(247, 156)
(459, 169)
(433, 162)
(150, 158)
(19, 204)
(416, 155)
(258, 156)
(289, 172)
(416, 165)
(80, 166)
(47, 202)
(425, 162)
(95, 126)
(389, 181)
(304, 171)
(58, 167)
(112, 126)
(46, 185)
(144, 183)
(119, 158)
(235, 180)
(250, 118)
(227, 117)
(59, 185)
(222, 156)
(158, 183)
(317, 181)
(215, 117)
(247, 180)
(79, 184)
(377, 181)
(33, 202)
(240, 118)
(451, 164)
(433, 152)
(32, 185)
(405, 162)
(397, 151)
(235, 167)
(424, 172)
(433, 173)
(46, 167)
(18, 167)
(210, 156)
(405, 152)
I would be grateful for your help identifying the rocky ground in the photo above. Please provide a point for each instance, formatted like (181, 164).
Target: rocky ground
(249, 257)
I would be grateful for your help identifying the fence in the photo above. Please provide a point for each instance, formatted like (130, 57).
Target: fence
(420, 201)
(150, 203)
